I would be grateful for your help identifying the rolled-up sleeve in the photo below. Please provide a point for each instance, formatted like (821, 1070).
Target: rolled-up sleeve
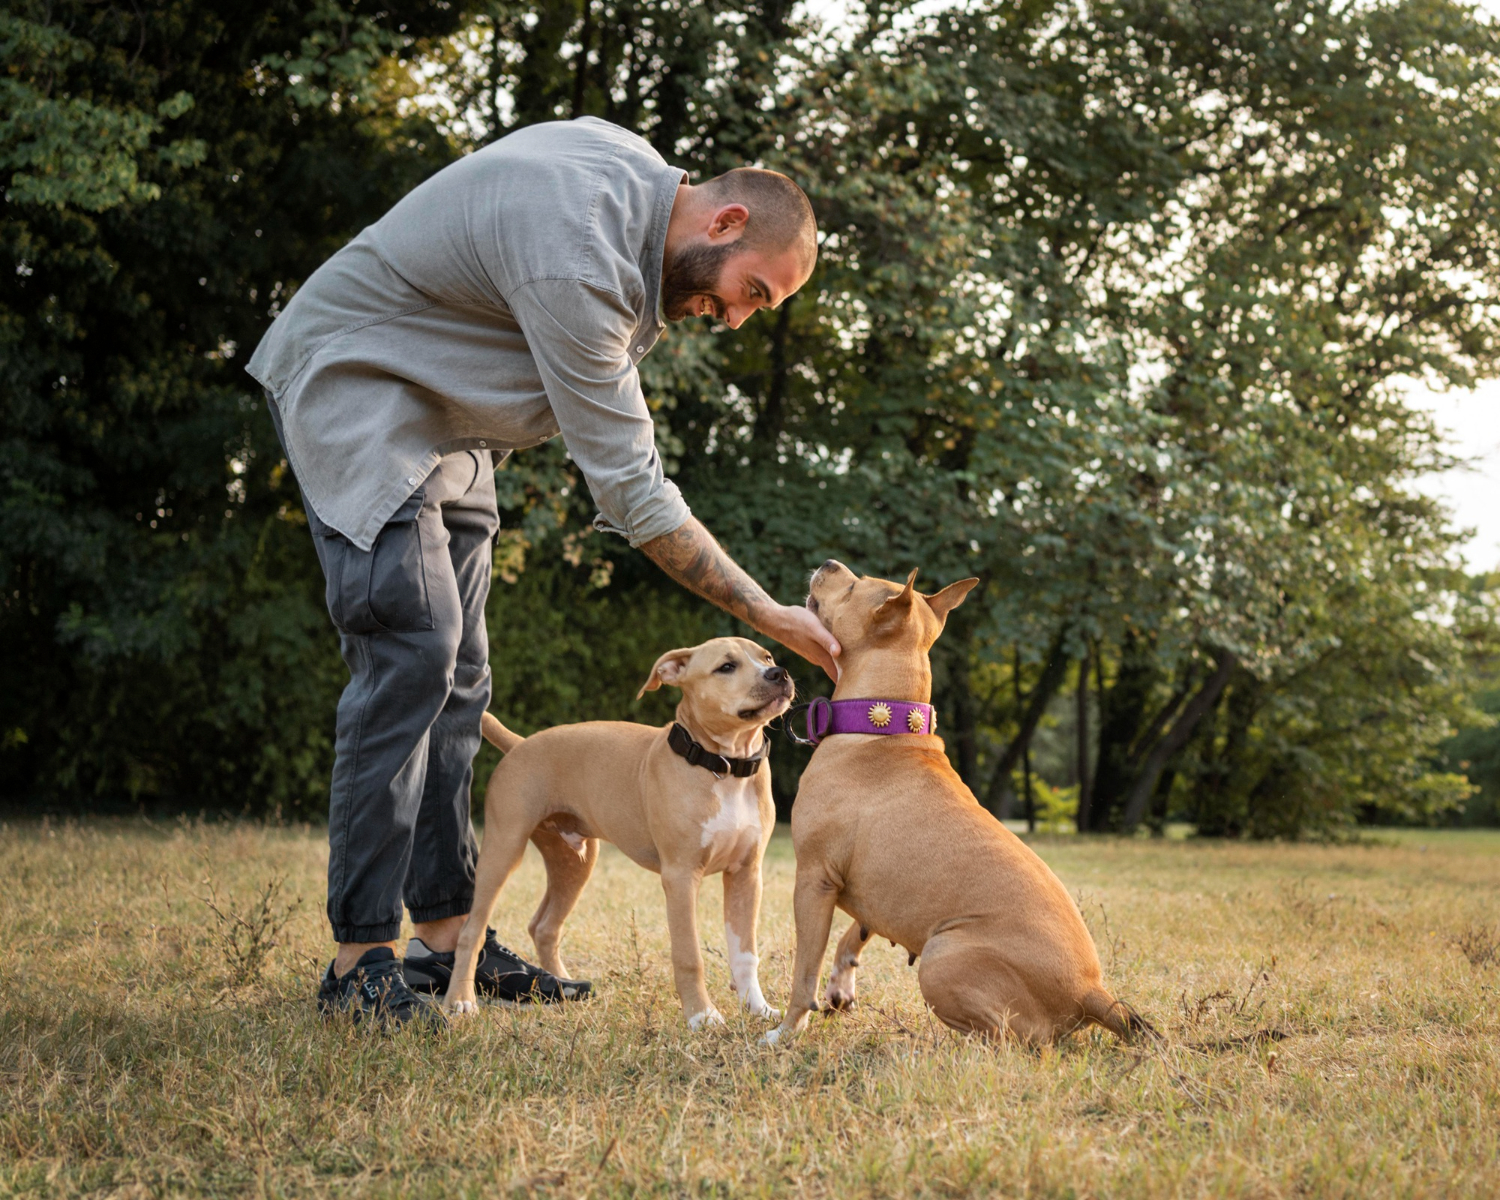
(580, 338)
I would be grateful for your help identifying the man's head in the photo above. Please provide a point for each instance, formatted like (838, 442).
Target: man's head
(742, 241)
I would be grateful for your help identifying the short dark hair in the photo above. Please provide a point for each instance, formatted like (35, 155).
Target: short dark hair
(781, 217)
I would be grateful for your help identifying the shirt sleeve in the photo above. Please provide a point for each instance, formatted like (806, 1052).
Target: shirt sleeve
(580, 338)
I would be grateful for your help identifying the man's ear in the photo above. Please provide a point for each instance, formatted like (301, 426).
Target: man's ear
(729, 218)
(898, 605)
(668, 669)
(945, 601)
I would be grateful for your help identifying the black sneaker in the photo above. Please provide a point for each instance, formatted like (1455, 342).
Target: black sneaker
(376, 991)
(501, 974)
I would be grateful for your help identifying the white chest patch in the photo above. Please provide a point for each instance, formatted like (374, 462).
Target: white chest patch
(731, 837)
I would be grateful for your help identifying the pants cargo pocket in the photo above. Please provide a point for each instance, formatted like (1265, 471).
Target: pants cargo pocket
(383, 589)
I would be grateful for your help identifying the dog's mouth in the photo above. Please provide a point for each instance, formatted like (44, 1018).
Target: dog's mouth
(768, 711)
(812, 604)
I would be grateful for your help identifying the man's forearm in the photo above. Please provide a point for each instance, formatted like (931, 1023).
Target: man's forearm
(691, 556)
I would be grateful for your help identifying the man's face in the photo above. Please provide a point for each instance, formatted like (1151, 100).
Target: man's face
(723, 281)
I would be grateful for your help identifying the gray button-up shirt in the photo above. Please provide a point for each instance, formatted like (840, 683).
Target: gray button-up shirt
(505, 300)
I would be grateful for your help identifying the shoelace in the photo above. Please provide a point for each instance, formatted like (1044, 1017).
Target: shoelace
(492, 943)
(385, 982)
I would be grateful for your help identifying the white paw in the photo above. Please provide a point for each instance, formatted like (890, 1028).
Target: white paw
(771, 1036)
(766, 1013)
(462, 1008)
(709, 1016)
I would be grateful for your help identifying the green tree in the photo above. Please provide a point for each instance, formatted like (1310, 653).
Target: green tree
(169, 173)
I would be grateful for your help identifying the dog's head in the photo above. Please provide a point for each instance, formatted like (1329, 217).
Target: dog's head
(730, 686)
(867, 613)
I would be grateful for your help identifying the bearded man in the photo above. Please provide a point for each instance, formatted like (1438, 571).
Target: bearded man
(506, 300)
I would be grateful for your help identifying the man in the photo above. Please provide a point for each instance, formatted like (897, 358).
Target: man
(505, 300)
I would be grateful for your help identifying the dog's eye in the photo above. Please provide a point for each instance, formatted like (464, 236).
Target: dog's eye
(727, 668)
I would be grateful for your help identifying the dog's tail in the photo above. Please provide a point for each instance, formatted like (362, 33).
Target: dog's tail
(1117, 1017)
(497, 735)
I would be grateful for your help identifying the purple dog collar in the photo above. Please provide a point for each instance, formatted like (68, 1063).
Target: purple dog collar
(825, 717)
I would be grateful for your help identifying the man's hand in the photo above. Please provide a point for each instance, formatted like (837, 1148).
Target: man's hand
(798, 630)
(690, 555)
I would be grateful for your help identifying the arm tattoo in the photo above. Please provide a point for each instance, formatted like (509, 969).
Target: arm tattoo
(692, 557)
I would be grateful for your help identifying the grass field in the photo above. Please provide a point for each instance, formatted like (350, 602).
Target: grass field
(130, 1064)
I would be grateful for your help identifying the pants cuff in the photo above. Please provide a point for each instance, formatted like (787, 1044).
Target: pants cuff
(388, 932)
(448, 908)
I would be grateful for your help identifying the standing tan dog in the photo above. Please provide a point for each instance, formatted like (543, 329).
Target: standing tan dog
(885, 830)
(567, 787)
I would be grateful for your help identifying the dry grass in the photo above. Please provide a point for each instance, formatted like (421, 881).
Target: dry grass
(130, 1065)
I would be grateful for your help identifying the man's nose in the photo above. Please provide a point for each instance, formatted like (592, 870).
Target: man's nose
(776, 674)
(735, 317)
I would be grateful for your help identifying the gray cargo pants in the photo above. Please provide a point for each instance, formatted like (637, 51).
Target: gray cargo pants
(410, 616)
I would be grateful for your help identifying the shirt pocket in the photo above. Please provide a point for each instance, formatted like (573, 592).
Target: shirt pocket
(383, 589)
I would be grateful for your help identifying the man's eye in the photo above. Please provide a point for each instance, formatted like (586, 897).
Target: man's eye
(727, 668)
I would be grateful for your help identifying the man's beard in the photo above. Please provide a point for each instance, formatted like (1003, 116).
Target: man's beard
(692, 271)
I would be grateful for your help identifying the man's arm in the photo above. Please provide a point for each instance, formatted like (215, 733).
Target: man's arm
(691, 556)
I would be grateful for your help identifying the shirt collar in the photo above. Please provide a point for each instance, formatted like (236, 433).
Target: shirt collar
(656, 239)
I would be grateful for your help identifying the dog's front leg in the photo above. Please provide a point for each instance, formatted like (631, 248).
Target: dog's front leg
(812, 905)
(741, 917)
(681, 887)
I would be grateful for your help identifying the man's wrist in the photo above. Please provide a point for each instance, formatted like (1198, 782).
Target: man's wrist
(763, 614)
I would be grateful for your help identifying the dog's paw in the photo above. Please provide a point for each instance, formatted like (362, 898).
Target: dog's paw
(709, 1016)
(461, 1008)
(767, 1013)
(839, 999)
(771, 1036)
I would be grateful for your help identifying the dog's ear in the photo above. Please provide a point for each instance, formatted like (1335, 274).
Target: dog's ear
(668, 669)
(945, 601)
(898, 605)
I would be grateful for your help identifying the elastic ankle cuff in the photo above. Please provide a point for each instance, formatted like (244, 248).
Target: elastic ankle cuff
(388, 932)
(439, 912)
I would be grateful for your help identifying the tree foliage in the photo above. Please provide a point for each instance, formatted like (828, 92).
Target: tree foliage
(1112, 309)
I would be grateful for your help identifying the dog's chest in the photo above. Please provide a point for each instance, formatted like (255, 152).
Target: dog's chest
(731, 834)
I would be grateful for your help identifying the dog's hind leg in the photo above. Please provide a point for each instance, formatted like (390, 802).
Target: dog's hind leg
(568, 870)
(840, 990)
(499, 855)
(970, 989)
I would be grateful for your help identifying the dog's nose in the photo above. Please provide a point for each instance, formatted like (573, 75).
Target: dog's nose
(776, 674)
(829, 563)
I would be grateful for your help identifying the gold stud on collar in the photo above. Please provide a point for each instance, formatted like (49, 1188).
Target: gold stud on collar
(880, 715)
(915, 721)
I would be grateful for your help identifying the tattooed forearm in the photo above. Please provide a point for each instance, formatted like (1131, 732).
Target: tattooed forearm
(692, 557)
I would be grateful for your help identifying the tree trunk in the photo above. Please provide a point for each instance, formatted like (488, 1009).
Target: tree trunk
(961, 727)
(1085, 795)
(1122, 711)
(1223, 789)
(1176, 738)
(1053, 674)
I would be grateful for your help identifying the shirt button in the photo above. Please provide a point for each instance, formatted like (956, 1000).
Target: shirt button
(412, 482)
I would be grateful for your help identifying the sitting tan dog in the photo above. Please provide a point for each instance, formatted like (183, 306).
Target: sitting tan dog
(885, 830)
(684, 800)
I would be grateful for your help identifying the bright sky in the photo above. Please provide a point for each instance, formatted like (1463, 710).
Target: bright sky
(1472, 492)
(1472, 420)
